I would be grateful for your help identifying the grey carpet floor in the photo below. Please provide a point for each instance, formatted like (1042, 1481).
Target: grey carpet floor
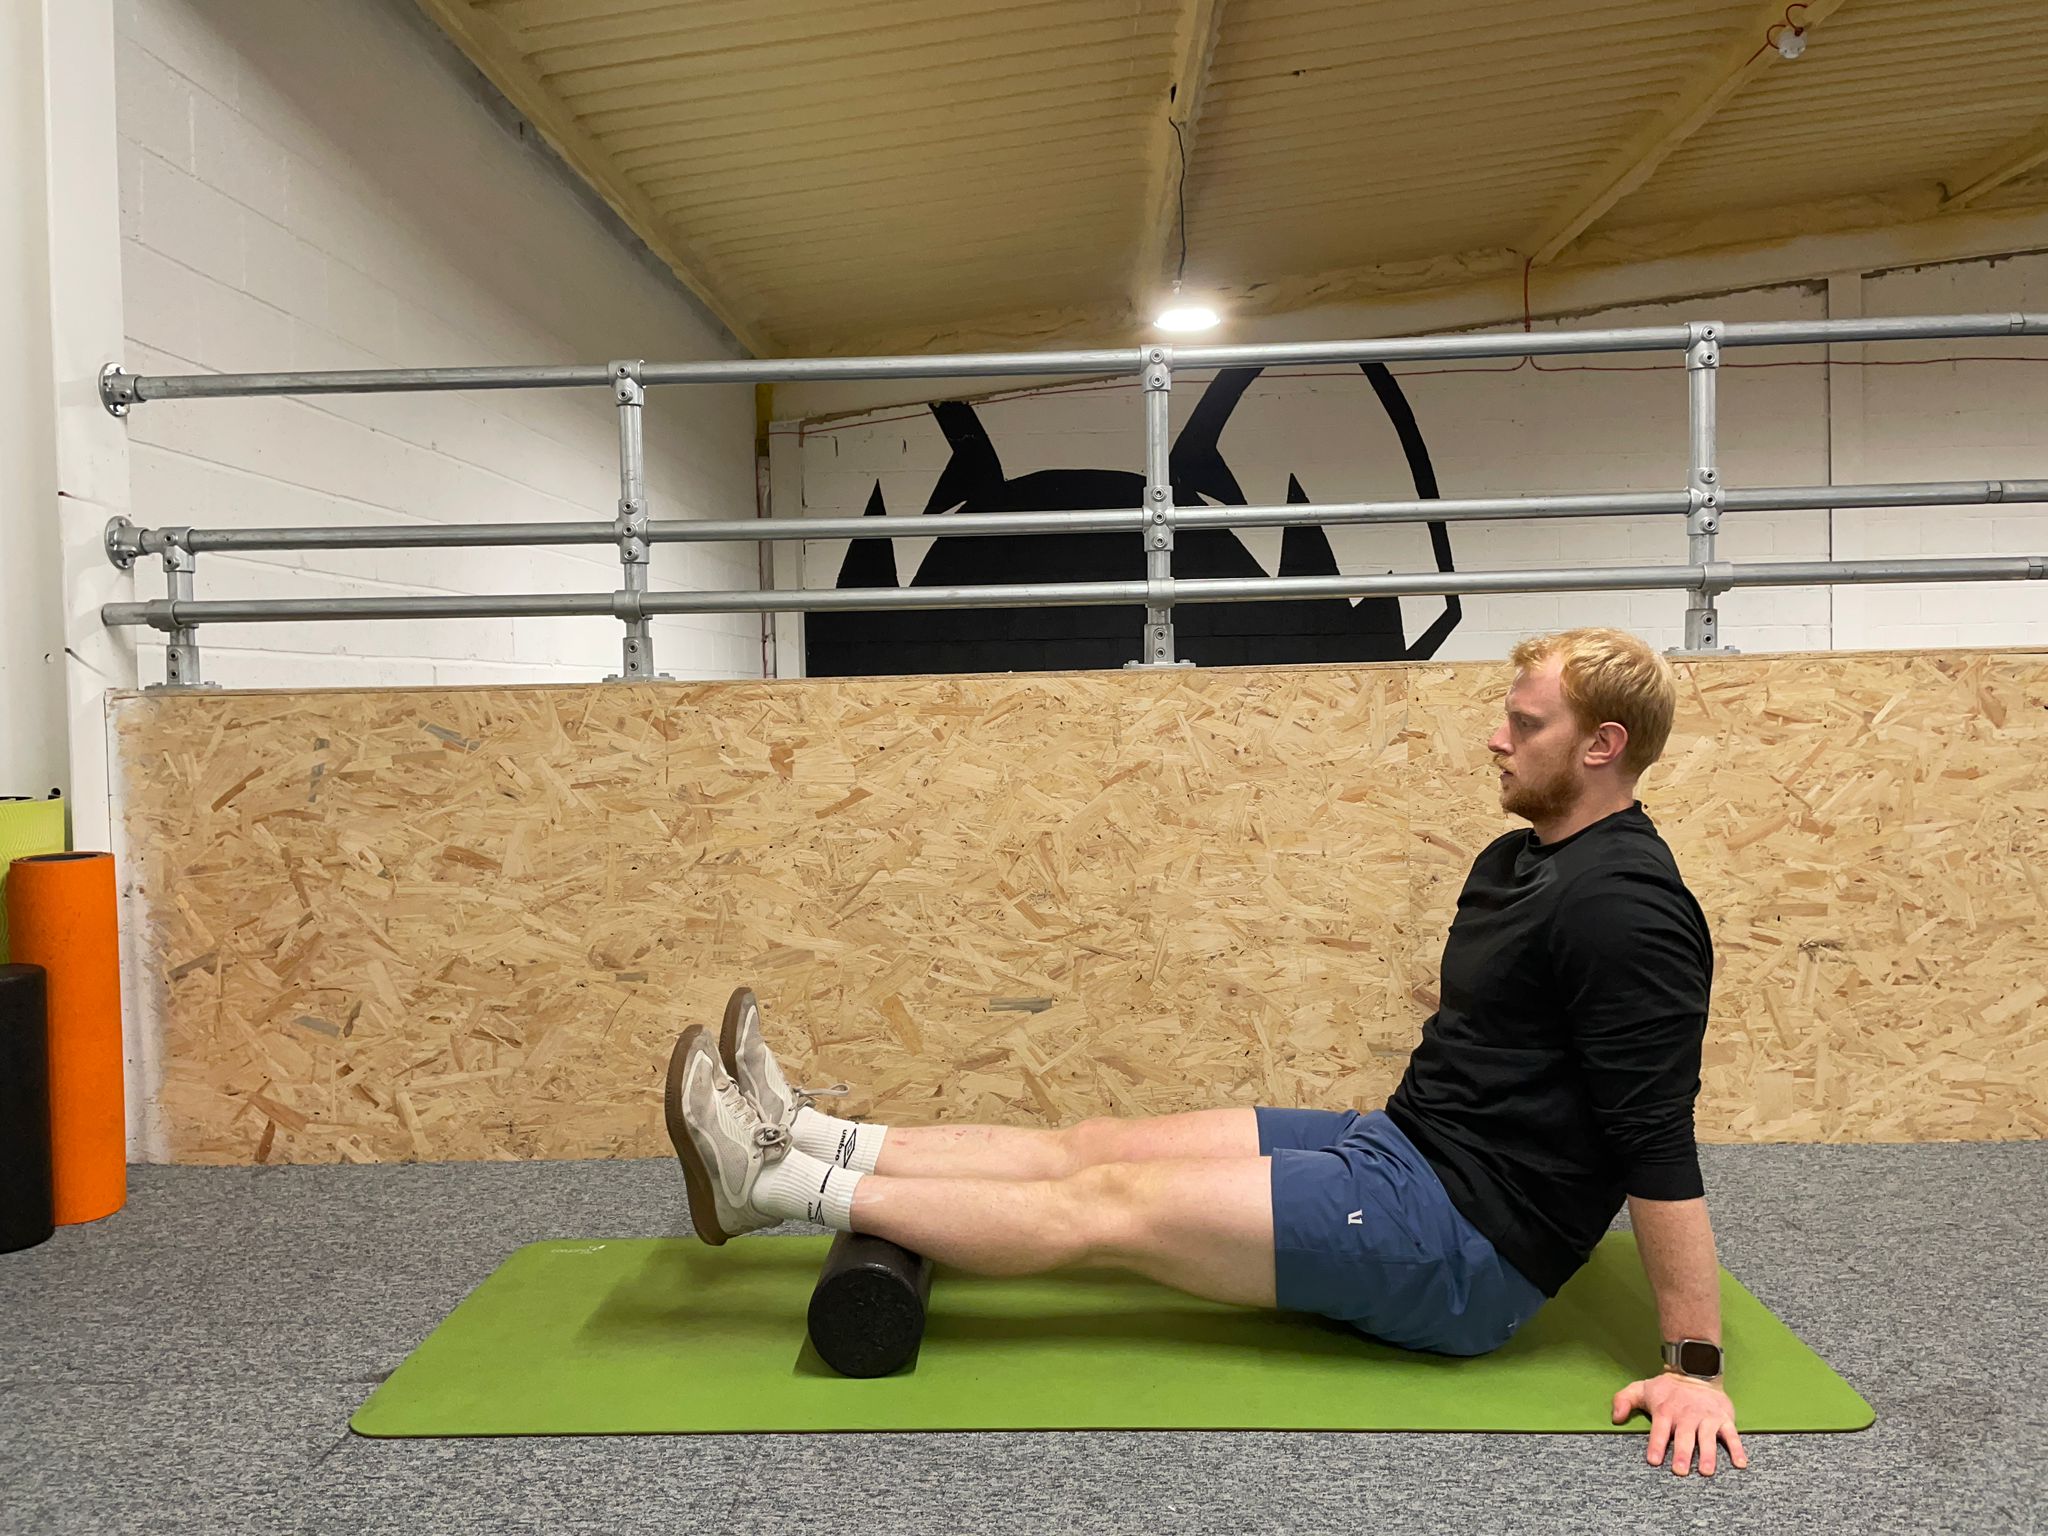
(191, 1364)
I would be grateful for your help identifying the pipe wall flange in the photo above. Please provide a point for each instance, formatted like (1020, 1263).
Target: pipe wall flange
(123, 542)
(117, 389)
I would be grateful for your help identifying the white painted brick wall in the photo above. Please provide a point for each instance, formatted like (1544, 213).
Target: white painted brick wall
(320, 185)
(1927, 418)
(1494, 433)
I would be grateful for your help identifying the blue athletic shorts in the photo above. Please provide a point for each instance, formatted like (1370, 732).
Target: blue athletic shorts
(1364, 1233)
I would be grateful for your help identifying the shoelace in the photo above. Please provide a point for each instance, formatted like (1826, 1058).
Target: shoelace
(809, 1096)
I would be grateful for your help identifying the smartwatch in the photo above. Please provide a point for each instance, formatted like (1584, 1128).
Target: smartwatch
(1693, 1357)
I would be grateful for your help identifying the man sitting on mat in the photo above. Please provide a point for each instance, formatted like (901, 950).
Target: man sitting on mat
(1556, 1079)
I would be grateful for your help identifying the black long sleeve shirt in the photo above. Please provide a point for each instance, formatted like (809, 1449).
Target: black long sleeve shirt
(1559, 1071)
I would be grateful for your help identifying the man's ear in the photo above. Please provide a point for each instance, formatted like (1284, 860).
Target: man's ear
(1607, 745)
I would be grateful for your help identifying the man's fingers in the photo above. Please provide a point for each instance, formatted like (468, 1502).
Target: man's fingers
(1681, 1447)
(1683, 1429)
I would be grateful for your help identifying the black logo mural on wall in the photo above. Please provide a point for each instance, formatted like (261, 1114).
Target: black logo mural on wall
(1062, 639)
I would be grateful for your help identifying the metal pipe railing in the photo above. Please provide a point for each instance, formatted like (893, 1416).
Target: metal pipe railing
(120, 389)
(1703, 501)
(631, 524)
(1703, 514)
(173, 615)
(126, 541)
(1159, 512)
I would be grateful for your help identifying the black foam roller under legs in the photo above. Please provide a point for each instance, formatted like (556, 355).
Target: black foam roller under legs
(26, 1213)
(867, 1309)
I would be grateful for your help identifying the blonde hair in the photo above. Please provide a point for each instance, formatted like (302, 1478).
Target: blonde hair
(1608, 674)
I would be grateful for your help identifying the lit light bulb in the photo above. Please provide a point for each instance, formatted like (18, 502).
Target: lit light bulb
(1185, 315)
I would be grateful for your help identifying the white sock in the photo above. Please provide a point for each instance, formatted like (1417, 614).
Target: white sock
(806, 1188)
(848, 1143)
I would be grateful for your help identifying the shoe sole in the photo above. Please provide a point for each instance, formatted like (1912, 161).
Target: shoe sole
(696, 1173)
(729, 1032)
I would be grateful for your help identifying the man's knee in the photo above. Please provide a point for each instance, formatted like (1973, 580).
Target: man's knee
(1090, 1143)
(1114, 1207)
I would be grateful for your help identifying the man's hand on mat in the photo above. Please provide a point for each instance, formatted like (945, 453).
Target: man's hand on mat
(1685, 1413)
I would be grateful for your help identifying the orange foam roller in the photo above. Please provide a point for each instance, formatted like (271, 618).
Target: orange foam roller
(61, 916)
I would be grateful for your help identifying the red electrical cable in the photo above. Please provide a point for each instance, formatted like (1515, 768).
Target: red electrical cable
(1771, 33)
(807, 430)
(1526, 360)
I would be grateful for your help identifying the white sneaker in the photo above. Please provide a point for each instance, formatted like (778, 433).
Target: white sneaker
(719, 1139)
(754, 1067)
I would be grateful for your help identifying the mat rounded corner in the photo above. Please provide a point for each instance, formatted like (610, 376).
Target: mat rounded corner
(366, 1430)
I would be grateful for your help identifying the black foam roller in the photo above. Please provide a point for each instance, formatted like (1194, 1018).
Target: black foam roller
(867, 1310)
(26, 1214)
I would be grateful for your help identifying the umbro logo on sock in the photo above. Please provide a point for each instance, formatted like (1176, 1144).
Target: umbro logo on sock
(1356, 1218)
(844, 1156)
(814, 1210)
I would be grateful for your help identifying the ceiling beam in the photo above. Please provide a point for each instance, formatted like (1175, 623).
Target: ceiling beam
(1201, 22)
(494, 52)
(1717, 85)
(1994, 171)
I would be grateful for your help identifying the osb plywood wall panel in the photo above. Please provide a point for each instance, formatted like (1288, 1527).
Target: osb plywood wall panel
(469, 923)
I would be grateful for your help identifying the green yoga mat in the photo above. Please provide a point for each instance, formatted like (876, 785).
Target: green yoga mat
(650, 1336)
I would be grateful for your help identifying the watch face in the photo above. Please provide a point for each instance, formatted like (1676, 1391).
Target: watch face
(1697, 1358)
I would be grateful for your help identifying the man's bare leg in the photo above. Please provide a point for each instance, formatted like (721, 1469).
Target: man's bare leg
(1019, 1152)
(1202, 1226)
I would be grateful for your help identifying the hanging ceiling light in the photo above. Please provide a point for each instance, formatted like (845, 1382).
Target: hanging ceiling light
(1179, 314)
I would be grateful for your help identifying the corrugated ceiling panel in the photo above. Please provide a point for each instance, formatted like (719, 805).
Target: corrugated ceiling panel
(829, 159)
(1344, 136)
(1889, 93)
(839, 171)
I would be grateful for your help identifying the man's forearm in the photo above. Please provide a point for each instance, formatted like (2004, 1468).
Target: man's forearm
(1677, 1244)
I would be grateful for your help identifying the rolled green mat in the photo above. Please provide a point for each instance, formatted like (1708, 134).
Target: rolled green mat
(26, 827)
(27, 1200)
